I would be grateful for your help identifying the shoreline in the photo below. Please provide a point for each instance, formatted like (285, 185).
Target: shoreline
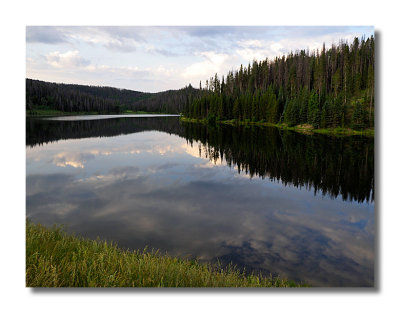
(54, 113)
(57, 259)
(305, 129)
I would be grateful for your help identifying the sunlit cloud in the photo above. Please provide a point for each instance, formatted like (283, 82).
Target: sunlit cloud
(211, 64)
(69, 59)
(99, 152)
(74, 159)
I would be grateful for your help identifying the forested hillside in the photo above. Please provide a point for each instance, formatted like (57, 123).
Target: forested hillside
(170, 101)
(80, 98)
(329, 88)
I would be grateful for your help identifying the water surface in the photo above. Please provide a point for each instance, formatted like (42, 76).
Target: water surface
(270, 201)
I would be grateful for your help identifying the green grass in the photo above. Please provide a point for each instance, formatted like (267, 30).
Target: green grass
(56, 259)
(370, 132)
(193, 120)
(299, 128)
(139, 112)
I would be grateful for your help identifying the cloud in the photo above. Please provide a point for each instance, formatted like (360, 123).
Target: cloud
(122, 39)
(161, 51)
(71, 67)
(257, 49)
(260, 49)
(67, 59)
(220, 31)
(120, 46)
(212, 63)
(45, 34)
(74, 159)
(73, 61)
(113, 39)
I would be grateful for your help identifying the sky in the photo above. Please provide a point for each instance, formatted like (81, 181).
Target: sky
(153, 59)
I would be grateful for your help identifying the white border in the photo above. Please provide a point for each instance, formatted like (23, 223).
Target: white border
(17, 14)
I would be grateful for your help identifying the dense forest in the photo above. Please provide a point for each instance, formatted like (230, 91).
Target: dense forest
(326, 89)
(80, 98)
(170, 101)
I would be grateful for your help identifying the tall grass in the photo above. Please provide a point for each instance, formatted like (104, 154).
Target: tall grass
(55, 259)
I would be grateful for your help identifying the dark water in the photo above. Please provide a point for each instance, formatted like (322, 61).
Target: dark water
(271, 201)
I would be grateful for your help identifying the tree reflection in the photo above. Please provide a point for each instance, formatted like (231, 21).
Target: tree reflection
(334, 166)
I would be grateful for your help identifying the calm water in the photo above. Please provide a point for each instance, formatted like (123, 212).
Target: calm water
(271, 201)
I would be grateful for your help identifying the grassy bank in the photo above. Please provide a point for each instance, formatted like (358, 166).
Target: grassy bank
(299, 128)
(140, 112)
(55, 259)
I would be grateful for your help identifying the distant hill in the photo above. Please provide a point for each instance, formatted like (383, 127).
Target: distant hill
(42, 95)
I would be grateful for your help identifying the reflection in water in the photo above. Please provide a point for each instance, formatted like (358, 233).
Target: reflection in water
(335, 166)
(151, 188)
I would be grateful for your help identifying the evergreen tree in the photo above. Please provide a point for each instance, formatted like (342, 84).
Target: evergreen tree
(358, 118)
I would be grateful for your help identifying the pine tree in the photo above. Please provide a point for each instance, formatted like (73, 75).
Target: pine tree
(236, 109)
(358, 118)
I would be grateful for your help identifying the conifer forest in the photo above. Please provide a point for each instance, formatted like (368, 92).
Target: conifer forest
(330, 88)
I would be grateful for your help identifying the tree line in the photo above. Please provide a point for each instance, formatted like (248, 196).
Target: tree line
(329, 88)
(81, 98)
(170, 101)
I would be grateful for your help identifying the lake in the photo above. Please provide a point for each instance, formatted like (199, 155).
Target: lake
(271, 201)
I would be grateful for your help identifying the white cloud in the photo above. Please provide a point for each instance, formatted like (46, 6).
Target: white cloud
(111, 38)
(259, 50)
(212, 63)
(66, 60)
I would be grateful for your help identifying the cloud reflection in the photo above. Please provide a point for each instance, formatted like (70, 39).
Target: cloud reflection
(253, 223)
